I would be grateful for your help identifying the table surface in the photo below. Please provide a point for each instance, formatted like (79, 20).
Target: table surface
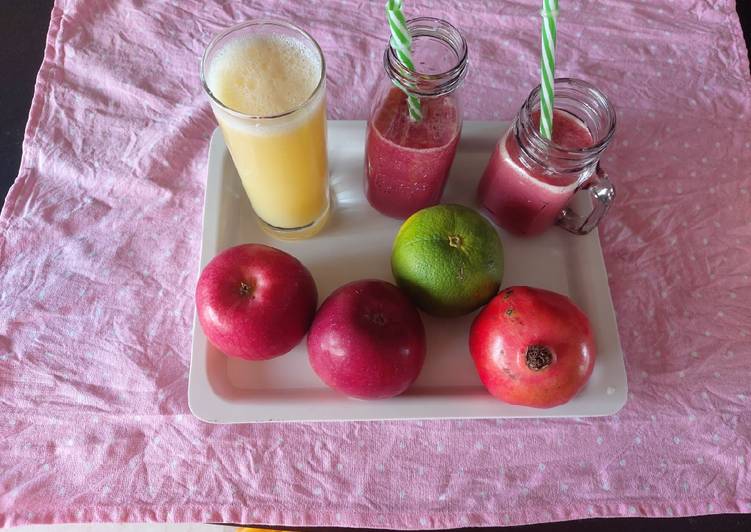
(23, 27)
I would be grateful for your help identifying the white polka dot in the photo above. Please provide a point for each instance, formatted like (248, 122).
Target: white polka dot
(317, 491)
(339, 467)
(637, 440)
(700, 460)
(599, 440)
(715, 438)
(439, 447)
(442, 497)
(741, 397)
(676, 440)
(541, 467)
(622, 463)
(479, 445)
(563, 487)
(402, 494)
(338, 517)
(380, 467)
(694, 354)
(717, 374)
(631, 510)
(423, 521)
(741, 460)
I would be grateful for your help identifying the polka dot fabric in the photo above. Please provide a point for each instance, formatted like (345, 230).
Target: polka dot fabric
(99, 246)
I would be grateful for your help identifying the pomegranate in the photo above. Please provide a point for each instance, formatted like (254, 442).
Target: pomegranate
(532, 347)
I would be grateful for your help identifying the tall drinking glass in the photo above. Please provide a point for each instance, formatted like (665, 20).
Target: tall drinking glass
(266, 82)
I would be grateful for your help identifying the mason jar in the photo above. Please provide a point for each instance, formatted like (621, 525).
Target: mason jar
(530, 182)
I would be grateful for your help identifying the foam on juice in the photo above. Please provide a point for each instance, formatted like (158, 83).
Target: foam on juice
(264, 75)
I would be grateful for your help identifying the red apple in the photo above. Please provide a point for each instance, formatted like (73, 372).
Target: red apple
(532, 347)
(255, 302)
(367, 340)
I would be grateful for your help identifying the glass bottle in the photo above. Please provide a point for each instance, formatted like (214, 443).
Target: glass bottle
(407, 161)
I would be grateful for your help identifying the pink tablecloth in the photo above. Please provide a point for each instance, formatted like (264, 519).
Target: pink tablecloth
(98, 260)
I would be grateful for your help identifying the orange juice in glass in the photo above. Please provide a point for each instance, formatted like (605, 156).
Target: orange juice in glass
(266, 82)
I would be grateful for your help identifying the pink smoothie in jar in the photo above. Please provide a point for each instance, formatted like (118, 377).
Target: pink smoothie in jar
(523, 196)
(406, 162)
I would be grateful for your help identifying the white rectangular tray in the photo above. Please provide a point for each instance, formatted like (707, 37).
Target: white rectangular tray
(356, 244)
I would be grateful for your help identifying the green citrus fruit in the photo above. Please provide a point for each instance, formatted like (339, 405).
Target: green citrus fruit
(448, 259)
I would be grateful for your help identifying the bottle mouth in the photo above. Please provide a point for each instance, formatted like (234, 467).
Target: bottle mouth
(249, 28)
(582, 100)
(425, 83)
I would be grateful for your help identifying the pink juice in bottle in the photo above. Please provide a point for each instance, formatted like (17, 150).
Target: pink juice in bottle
(406, 162)
(523, 196)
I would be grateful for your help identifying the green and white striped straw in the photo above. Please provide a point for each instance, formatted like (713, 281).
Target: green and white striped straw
(401, 42)
(547, 66)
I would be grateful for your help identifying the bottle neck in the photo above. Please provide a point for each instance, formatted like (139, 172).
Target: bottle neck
(585, 104)
(441, 53)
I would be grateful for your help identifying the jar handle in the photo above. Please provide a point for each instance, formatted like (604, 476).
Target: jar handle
(603, 194)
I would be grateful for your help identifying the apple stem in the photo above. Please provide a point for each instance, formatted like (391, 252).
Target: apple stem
(377, 318)
(244, 289)
(539, 357)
